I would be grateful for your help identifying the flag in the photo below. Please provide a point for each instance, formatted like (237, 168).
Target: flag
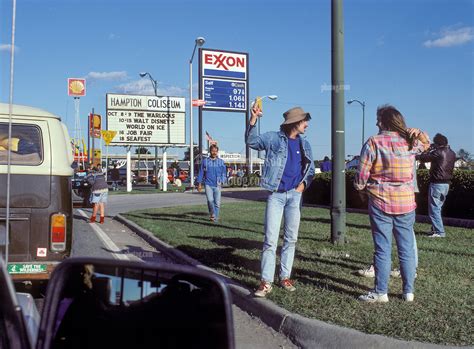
(209, 139)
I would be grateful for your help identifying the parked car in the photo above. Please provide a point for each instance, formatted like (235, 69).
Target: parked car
(183, 175)
(81, 188)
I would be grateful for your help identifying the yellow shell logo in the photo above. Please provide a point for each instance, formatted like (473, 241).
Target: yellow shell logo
(96, 121)
(76, 87)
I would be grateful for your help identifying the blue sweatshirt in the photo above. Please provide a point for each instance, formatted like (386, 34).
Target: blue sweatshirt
(212, 172)
(293, 173)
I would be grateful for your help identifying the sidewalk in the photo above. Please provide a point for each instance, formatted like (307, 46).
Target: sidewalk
(307, 333)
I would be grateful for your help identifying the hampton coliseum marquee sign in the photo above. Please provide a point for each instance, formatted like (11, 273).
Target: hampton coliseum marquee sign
(149, 120)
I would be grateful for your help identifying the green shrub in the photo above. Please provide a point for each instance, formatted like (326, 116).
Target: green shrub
(459, 203)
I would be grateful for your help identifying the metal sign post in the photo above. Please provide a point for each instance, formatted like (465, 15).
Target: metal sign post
(129, 166)
(165, 171)
(77, 88)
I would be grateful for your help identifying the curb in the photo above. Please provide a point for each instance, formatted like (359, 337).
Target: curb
(304, 332)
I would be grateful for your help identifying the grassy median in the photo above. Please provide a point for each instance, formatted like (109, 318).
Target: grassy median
(147, 190)
(327, 287)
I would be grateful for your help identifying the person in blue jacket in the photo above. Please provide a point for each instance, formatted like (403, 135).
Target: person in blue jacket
(288, 171)
(213, 174)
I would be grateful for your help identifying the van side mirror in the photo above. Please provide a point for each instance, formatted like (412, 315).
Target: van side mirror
(102, 303)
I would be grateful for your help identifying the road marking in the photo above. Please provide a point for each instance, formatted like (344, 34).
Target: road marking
(106, 240)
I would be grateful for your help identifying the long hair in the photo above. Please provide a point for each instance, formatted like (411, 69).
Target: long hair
(394, 121)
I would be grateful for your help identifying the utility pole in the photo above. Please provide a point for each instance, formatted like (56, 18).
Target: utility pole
(338, 184)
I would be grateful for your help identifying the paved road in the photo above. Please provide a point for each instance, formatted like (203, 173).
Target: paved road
(113, 240)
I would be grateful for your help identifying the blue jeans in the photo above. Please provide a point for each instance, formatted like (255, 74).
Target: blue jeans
(287, 205)
(415, 247)
(213, 195)
(436, 197)
(401, 226)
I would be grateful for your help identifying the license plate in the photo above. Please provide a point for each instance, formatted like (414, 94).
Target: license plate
(22, 268)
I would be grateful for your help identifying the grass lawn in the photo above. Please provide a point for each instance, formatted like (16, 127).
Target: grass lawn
(148, 190)
(327, 288)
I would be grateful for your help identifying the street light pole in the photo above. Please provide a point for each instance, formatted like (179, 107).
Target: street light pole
(155, 88)
(198, 42)
(338, 188)
(363, 116)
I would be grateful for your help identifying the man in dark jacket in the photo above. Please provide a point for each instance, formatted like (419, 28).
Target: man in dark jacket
(442, 160)
(99, 189)
(115, 177)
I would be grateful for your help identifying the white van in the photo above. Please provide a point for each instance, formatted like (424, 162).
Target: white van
(40, 192)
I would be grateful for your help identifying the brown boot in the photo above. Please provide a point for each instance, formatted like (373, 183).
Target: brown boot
(92, 220)
(102, 218)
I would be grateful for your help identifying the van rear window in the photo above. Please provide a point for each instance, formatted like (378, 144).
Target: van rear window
(26, 144)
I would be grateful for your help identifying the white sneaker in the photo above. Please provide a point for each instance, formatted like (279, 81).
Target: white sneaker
(408, 297)
(369, 272)
(373, 297)
(264, 289)
(436, 235)
(395, 273)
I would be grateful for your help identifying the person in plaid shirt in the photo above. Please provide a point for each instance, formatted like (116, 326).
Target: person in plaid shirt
(386, 172)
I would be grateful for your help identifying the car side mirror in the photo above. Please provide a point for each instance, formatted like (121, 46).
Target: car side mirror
(102, 303)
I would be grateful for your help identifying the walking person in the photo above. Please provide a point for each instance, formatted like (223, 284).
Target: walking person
(289, 169)
(99, 193)
(115, 177)
(159, 178)
(442, 160)
(212, 173)
(386, 172)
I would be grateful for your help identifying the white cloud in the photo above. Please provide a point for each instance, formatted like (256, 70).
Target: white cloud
(113, 75)
(113, 36)
(451, 37)
(144, 87)
(8, 47)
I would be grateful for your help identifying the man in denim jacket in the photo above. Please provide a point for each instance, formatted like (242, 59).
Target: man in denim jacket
(213, 174)
(288, 171)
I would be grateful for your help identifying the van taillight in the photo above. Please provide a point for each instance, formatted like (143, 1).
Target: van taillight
(58, 232)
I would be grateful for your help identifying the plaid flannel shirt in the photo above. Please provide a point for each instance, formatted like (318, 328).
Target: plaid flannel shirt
(386, 170)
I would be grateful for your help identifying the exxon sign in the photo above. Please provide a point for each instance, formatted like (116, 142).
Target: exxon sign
(224, 64)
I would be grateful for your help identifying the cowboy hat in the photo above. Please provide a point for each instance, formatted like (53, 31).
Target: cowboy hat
(294, 115)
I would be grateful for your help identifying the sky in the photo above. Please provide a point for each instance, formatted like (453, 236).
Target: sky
(414, 54)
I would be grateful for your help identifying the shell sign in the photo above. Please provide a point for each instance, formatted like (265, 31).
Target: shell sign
(76, 87)
(94, 125)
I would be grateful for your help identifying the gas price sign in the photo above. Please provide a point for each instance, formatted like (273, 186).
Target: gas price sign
(223, 80)
(220, 94)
